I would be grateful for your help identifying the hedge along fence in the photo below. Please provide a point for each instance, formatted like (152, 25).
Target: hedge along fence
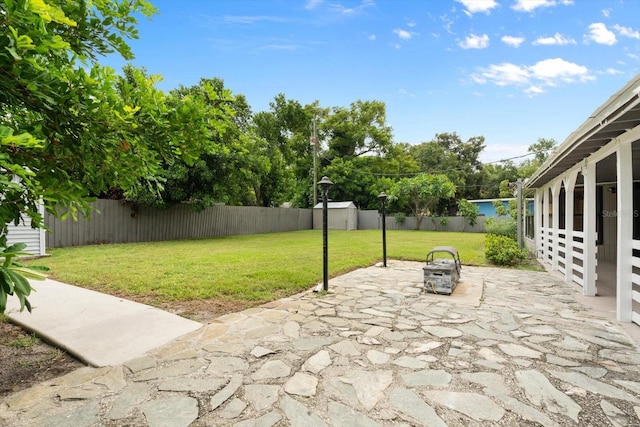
(120, 223)
(372, 219)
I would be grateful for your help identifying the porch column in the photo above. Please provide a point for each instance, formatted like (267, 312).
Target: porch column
(537, 226)
(569, 188)
(555, 223)
(545, 224)
(624, 201)
(589, 230)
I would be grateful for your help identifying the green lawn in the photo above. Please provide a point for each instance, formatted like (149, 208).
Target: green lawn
(253, 268)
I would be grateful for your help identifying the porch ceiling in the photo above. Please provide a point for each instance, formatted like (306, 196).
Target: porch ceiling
(618, 115)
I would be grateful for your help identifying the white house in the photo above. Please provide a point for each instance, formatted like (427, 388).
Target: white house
(587, 204)
(34, 238)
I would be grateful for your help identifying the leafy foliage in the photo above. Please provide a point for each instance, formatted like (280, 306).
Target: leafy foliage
(469, 211)
(422, 194)
(502, 250)
(65, 134)
(501, 226)
(14, 275)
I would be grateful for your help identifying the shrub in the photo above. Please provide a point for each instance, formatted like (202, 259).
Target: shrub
(502, 250)
(501, 226)
(400, 218)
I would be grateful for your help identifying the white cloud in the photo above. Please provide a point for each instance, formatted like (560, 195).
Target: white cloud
(512, 41)
(475, 42)
(557, 39)
(557, 69)
(494, 153)
(606, 12)
(411, 24)
(447, 23)
(627, 32)
(312, 4)
(611, 71)
(403, 34)
(534, 90)
(535, 78)
(372, 37)
(599, 33)
(504, 74)
(531, 5)
(250, 19)
(404, 92)
(474, 6)
(342, 10)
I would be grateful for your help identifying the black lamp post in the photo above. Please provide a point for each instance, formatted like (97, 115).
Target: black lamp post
(383, 198)
(324, 185)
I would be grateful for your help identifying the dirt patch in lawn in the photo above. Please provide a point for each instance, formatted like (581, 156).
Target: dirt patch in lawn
(26, 360)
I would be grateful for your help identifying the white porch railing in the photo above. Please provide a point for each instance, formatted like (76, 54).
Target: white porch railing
(562, 251)
(635, 279)
(578, 258)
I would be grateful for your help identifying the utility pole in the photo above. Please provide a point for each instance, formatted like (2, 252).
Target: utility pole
(518, 187)
(519, 215)
(314, 145)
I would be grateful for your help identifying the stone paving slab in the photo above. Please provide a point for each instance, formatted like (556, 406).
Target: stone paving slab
(375, 351)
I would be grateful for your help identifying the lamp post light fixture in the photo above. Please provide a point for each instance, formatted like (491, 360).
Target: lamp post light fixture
(383, 199)
(325, 183)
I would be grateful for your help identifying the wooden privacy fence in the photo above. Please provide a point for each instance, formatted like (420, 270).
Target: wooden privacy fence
(118, 223)
(114, 222)
(372, 219)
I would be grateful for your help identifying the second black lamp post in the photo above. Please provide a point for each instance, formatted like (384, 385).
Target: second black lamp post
(325, 183)
(383, 199)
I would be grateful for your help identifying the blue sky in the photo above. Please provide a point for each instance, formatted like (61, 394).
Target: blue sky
(512, 71)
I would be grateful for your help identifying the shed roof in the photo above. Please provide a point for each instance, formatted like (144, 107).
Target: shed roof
(336, 205)
(620, 113)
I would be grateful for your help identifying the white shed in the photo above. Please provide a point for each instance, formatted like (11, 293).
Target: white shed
(340, 216)
(34, 238)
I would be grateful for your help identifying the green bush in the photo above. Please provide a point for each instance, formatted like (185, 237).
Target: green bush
(501, 226)
(502, 250)
(400, 218)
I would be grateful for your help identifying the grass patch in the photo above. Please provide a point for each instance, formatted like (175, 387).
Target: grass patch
(253, 268)
(25, 341)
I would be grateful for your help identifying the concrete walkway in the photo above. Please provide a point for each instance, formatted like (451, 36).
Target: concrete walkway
(96, 328)
(510, 348)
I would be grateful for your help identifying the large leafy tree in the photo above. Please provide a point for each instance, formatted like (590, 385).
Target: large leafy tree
(361, 129)
(286, 131)
(210, 117)
(422, 194)
(65, 131)
(448, 154)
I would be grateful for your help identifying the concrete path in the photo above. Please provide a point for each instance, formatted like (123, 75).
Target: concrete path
(98, 329)
(515, 350)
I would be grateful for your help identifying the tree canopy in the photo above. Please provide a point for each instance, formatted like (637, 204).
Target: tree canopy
(72, 130)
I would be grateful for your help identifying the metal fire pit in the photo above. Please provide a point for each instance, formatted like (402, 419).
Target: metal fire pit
(441, 275)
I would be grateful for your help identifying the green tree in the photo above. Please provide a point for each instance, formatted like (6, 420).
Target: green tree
(422, 194)
(361, 129)
(469, 211)
(493, 174)
(541, 150)
(65, 133)
(448, 154)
